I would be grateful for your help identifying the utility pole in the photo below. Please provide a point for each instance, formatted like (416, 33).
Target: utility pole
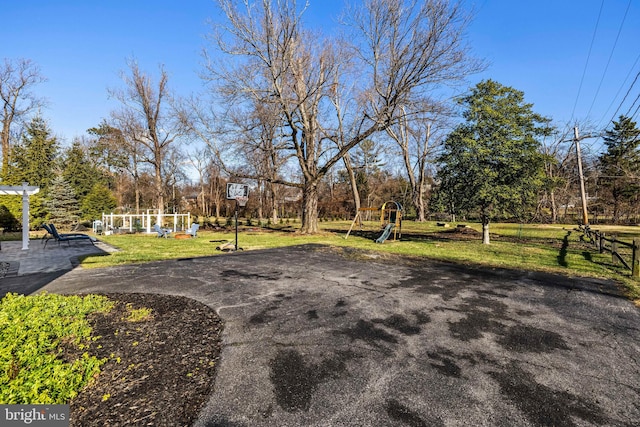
(583, 196)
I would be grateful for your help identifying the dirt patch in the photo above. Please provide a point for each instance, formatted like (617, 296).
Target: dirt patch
(160, 369)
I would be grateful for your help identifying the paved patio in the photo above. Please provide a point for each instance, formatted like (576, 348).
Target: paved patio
(26, 271)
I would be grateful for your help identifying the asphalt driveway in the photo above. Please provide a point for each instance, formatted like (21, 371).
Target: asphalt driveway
(321, 337)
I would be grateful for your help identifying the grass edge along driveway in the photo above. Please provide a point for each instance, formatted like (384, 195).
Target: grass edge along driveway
(536, 247)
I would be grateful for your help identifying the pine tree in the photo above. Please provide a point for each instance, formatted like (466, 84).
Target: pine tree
(79, 171)
(61, 203)
(34, 159)
(620, 164)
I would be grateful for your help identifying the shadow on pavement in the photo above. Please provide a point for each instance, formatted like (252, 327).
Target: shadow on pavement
(29, 283)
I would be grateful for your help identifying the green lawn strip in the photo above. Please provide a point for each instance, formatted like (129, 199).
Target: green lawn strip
(34, 333)
(553, 248)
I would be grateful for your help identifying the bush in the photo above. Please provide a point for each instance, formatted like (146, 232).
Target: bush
(34, 333)
(7, 220)
(100, 199)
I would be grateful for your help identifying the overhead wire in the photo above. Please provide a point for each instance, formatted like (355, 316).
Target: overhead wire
(633, 105)
(606, 68)
(619, 90)
(625, 97)
(626, 12)
(584, 71)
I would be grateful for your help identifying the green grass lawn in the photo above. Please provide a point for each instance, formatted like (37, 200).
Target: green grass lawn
(550, 248)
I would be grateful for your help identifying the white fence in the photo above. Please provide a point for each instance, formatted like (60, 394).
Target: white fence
(144, 221)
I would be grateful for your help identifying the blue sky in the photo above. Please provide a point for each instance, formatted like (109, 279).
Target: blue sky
(539, 47)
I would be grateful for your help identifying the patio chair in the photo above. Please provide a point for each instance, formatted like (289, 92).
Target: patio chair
(193, 232)
(65, 237)
(162, 232)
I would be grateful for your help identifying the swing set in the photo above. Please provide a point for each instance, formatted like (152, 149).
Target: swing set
(390, 220)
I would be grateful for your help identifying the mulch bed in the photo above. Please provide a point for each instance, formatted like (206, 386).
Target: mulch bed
(160, 371)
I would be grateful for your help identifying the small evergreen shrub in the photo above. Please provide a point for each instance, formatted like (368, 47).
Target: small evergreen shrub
(33, 369)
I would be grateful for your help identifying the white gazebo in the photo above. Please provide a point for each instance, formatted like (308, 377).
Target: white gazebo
(25, 190)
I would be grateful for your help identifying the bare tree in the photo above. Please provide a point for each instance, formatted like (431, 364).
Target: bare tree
(415, 136)
(263, 147)
(148, 121)
(200, 160)
(16, 80)
(559, 165)
(402, 49)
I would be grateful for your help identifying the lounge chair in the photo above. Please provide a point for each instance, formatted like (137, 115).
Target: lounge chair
(193, 231)
(65, 237)
(162, 232)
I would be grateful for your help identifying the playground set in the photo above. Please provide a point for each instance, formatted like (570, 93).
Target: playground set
(390, 220)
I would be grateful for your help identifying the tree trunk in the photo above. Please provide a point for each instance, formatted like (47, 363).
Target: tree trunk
(485, 230)
(309, 208)
(352, 181)
(274, 203)
(418, 202)
(262, 196)
(554, 208)
(5, 146)
(159, 193)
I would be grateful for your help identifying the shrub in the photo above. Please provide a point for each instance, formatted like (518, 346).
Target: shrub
(8, 221)
(34, 333)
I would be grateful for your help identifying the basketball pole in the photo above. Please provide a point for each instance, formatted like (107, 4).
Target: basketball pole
(236, 246)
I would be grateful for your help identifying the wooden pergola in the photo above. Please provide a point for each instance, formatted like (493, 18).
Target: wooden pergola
(25, 190)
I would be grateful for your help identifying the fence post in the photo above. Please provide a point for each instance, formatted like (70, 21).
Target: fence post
(600, 241)
(614, 249)
(635, 261)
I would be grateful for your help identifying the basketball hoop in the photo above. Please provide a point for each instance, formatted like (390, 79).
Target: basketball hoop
(242, 200)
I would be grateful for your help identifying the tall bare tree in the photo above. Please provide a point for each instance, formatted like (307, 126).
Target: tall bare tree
(417, 139)
(402, 50)
(559, 165)
(199, 160)
(147, 119)
(17, 78)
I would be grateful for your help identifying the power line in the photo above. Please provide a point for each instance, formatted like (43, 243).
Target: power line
(635, 113)
(632, 105)
(625, 96)
(595, 30)
(610, 56)
(619, 90)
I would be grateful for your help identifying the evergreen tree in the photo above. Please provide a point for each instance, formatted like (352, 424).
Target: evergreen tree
(620, 164)
(100, 200)
(79, 171)
(8, 220)
(34, 159)
(61, 203)
(491, 163)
